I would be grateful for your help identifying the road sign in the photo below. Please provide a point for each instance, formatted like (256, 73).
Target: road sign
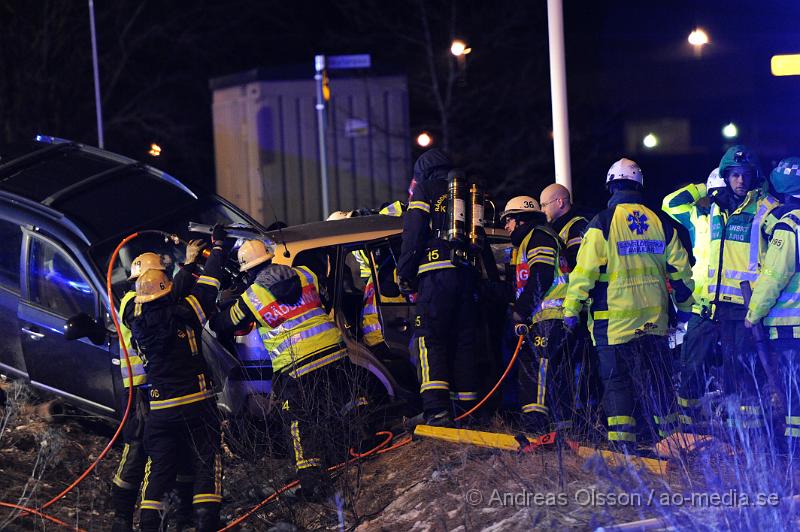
(343, 62)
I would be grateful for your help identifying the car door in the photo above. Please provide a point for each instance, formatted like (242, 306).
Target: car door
(397, 313)
(57, 289)
(11, 360)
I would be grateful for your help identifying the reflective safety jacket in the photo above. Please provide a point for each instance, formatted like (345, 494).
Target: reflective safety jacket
(627, 254)
(299, 337)
(371, 328)
(182, 286)
(570, 228)
(776, 296)
(540, 283)
(690, 207)
(738, 243)
(137, 365)
(168, 332)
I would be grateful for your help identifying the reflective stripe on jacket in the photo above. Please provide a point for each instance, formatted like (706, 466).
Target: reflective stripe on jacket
(550, 305)
(738, 243)
(298, 334)
(626, 256)
(137, 365)
(685, 207)
(776, 296)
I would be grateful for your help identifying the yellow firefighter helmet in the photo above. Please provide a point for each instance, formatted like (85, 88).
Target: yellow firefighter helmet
(144, 262)
(152, 285)
(254, 252)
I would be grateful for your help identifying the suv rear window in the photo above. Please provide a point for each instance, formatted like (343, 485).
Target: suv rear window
(11, 236)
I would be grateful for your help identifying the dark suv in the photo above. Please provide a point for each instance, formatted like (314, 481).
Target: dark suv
(64, 208)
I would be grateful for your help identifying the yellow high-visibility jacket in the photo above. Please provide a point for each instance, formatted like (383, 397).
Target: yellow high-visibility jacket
(776, 297)
(137, 364)
(627, 254)
(690, 207)
(738, 243)
(300, 337)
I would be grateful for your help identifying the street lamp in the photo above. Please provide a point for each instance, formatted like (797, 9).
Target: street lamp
(459, 48)
(424, 139)
(650, 141)
(730, 131)
(698, 38)
(155, 150)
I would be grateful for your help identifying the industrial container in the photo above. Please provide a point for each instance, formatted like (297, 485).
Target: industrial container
(267, 150)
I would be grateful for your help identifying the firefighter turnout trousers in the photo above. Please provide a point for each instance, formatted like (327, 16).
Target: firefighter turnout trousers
(743, 375)
(324, 411)
(130, 470)
(181, 439)
(544, 373)
(788, 358)
(447, 322)
(638, 399)
(698, 354)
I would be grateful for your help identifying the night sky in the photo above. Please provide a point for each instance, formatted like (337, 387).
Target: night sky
(629, 66)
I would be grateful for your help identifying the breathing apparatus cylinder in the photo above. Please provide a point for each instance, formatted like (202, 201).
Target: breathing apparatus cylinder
(456, 206)
(476, 199)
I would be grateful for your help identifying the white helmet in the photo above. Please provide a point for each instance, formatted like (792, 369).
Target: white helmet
(714, 180)
(520, 204)
(625, 169)
(339, 215)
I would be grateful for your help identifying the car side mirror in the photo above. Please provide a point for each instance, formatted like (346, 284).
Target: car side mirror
(83, 326)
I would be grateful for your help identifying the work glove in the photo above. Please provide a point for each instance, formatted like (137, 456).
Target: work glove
(683, 316)
(406, 286)
(218, 234)
(571, 323)
(193, 249)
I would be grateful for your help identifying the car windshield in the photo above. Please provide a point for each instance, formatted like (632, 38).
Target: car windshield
(208, 212)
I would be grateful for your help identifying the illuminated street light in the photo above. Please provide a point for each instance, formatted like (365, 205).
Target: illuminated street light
(424, 140)
(698, 38)
(785, 65)
(730, 131)
(155, 150)
(650, 141)
(459, 48)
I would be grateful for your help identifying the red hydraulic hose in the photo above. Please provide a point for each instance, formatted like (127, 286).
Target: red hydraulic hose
(32, 511)
(499, 382)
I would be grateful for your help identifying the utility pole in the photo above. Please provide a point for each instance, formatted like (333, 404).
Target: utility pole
(97, 101)
(558, 92)
(319, 66)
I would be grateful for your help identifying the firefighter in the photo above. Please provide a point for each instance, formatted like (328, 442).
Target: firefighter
(446, 287)
(627, 254)
(562, 217)
(690, 206)
(371, 328)
(776, 297)
(540, 285)
(312, 377)
(130, 471)
(556, 203)
(740, 221)
(183, 425)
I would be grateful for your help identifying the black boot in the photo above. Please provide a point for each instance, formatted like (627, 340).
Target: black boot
(124, 503)
(206, 517)
(439, 419)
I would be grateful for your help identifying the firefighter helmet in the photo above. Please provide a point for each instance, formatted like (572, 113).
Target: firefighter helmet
(714, 180)
(152, 285)
(144, 262)
(741, 157)
(785, 177)
(254, 252)
(625, 169)
(339, 215)
(520, 204)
